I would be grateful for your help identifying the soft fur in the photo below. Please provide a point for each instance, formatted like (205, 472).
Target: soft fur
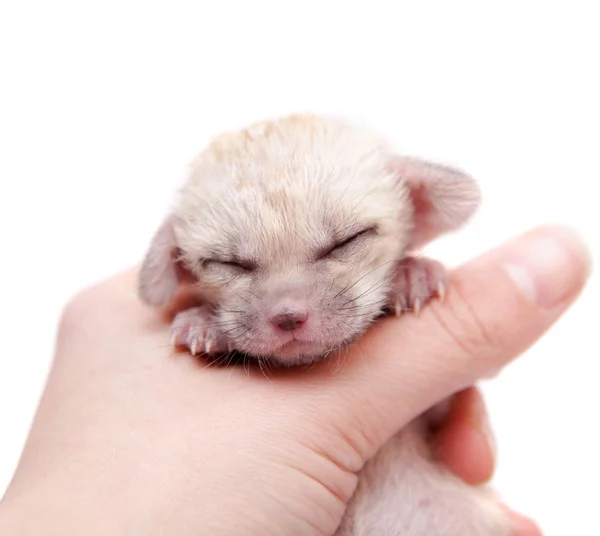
(295, 235)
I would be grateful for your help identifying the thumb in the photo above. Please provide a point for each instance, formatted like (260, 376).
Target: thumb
(495, 308)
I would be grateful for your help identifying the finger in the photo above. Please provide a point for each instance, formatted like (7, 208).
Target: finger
(496, 307)
(464, 442)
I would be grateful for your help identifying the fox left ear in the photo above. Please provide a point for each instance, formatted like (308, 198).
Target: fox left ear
(443, 198)
(162, 271)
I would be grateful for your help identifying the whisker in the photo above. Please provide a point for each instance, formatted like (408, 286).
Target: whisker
(383, 301)
(346, 289)
(372, 288)
(260, 365)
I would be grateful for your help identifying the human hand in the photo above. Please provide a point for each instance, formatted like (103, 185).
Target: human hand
(131, 440)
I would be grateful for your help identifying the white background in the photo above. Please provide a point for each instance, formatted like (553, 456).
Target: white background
(103, 104)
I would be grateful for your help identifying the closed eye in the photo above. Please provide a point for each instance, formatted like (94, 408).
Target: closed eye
(346, 242)
(246, 266)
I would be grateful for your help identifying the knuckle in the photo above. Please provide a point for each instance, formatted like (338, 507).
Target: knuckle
(72, 312)
(77, 311)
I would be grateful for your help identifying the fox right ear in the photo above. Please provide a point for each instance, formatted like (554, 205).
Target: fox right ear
(443, 198)
(161, 272)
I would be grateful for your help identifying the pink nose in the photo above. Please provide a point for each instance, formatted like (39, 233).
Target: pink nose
(289, 320)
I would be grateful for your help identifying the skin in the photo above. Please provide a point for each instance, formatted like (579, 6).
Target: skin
(130, 440)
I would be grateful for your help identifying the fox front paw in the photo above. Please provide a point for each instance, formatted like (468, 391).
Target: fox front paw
(199, 331)
(417, 280)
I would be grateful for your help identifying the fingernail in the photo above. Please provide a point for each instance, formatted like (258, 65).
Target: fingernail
(549, 265)
(486, 430)
(523, 526)
(480, 421)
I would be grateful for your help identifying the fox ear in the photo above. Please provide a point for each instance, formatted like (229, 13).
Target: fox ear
(162, 271)
(443, 198)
